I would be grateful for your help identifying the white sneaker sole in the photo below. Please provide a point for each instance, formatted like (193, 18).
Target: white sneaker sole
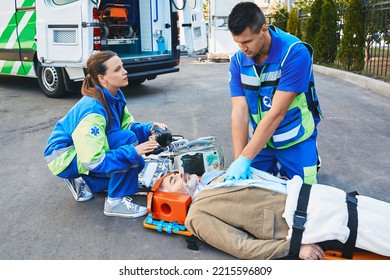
(80, 199)
(123, 215)
(70, 186)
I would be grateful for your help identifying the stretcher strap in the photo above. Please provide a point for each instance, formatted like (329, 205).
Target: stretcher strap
(349, 245)
(299, 221)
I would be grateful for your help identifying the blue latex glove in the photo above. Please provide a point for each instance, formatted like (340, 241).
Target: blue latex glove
(239, 170)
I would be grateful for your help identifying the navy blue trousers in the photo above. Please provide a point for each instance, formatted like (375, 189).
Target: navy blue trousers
(118, 184)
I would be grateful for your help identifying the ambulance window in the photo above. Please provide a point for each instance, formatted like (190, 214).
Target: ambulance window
(63, 2)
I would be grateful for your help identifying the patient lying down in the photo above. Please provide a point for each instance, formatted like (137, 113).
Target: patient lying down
(252, 219)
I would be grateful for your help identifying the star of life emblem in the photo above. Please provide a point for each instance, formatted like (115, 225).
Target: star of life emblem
(95, 131)
(267, 101)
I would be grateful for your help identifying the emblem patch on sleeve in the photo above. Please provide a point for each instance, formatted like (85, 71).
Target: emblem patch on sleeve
(95, 131)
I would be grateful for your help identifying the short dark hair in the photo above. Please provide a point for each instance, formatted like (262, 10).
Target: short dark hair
(243, 15)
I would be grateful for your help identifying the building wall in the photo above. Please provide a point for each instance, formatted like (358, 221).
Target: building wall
(268, 5)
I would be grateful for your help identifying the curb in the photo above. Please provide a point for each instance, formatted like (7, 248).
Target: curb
(373, 85)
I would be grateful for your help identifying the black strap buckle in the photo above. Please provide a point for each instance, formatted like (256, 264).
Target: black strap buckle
(349, 245)
(299, 220)
(350, 198)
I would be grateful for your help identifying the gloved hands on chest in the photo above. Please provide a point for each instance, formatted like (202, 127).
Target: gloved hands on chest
(239, 170)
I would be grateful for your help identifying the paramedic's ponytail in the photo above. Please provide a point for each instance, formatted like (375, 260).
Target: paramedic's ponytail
(96, 66)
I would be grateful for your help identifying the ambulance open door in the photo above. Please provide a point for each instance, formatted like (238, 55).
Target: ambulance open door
(60, 32)
(193, 26)
(221, 43)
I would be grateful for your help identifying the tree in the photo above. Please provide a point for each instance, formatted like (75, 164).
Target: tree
(303, 7)
(351, 52)
(293, 23)
(280, 18)
(325, 43)
(313, 24)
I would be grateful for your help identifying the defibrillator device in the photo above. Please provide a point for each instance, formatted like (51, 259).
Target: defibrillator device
(198, 156)
(167, 211)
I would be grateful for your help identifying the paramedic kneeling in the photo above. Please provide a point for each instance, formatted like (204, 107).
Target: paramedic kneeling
(98, 143)
(272, 88)
(252, 219)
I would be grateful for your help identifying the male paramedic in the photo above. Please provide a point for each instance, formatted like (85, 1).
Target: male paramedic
(254, 218)
(272, 87)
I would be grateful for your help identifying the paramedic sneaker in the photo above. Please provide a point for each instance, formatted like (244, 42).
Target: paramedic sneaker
(124, 208)
(79, 189)
(318, 163)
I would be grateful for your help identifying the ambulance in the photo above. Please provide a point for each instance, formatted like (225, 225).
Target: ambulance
(51, 40)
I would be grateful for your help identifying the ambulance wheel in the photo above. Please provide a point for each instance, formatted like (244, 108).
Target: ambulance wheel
(51, 81)
(128, 31)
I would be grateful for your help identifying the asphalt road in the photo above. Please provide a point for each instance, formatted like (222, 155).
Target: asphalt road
(40, 220)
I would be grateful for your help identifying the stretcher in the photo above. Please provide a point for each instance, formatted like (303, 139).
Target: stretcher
(114, 19)
(167, 212)
(357, 255)
(163, 226)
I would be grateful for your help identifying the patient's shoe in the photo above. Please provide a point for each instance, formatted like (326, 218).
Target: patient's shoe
(79, 189)
(124, 208)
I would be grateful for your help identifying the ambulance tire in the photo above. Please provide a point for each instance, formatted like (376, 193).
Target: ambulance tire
(51, 80)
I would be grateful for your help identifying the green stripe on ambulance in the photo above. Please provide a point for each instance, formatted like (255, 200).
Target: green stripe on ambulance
(19, 34)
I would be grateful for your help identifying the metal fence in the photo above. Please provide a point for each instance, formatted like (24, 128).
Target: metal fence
(377, 34)
(377, 49)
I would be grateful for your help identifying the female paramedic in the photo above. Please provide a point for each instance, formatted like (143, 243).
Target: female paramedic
(98, 144)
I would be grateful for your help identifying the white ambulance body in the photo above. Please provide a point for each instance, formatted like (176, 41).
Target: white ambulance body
(193, 33)
(52, 39)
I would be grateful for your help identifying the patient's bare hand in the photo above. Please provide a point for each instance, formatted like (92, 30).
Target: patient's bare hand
(311, 252)
(146, 147)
